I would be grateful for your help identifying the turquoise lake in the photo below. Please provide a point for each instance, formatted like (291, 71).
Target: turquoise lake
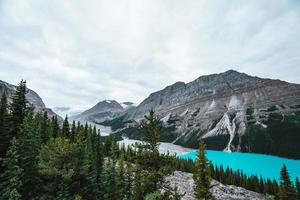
(251, 164)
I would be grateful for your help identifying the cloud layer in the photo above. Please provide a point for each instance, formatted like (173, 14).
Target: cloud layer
(76, 53)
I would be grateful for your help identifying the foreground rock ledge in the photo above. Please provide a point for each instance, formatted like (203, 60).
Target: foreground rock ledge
(185, 184)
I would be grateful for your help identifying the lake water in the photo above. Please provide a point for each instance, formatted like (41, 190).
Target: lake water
(251, 164)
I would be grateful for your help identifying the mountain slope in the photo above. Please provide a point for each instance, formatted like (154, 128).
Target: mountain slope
(230, 111)
(32, 97)
(104, 110)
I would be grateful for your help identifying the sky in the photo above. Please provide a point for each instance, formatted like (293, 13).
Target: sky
(77, 53)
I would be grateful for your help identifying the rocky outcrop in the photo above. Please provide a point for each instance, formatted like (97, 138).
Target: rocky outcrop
(231, 111)
(32, 98)
(185, 183)
(102, 111)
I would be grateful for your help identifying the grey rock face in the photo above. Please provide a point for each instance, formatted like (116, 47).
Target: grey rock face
(104, 110)
(220, 106)
(32, 97)
(185, 184)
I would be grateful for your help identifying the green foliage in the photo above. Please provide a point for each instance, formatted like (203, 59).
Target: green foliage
(202, 176)
(58, 158)
(286, 190)
(62, 193)
(18, 107)
(4, 126)
(66, 128)
(46, 161)
(11, 179)
(298, 188)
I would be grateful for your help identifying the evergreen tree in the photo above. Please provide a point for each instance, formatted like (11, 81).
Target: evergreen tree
(63, 193)
(57, 162)
(286, 190)
(66, 128)
(150, 159)
(202, 176)
(45, 129)
(4, 127)
(297, 183)
(11, 179)
(18, 108)
(109, 186)
(138, 190)
(30, 143)
(73, 132)
(55, 127)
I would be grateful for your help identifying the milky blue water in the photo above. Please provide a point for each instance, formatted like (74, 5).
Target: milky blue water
(251, 164)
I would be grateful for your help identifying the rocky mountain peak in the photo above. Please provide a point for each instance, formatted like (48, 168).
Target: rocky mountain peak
(102, 111)
(32, 97)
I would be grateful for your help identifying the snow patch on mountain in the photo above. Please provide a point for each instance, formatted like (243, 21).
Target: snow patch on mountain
(234, 102)
(212, 105)
(166, 118)
(184, 112)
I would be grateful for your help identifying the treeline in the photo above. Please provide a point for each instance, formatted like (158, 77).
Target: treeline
(285, 189)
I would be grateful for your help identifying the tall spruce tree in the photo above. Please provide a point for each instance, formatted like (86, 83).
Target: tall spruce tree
(202, 176)
(4, 126)
(45, 130)
(297, 184)
(138, 187)
(151, 129)
(30, 143)
(55, 127)
(66, 128)
(286, 190)
(18, 108)
(11, 180)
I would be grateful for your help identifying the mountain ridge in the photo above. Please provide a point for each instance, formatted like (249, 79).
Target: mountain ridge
(240, 112)
(31, 96)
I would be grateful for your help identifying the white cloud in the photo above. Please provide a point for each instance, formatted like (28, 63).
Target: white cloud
(76, 53)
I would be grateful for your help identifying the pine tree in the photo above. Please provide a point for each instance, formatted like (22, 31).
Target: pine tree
(286, 190)
(298, 188)
(73, 132)
(120, 179)
(4, 127)
(30, 143)
(109, 186)
(138, 190)
(55, 127)
(18, 108)
(202, 176)
(150, 160)
(45, 129)
(11, 179)
(66, 128)
(62, 193)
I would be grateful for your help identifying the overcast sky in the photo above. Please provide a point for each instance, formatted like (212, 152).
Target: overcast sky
(76, 53)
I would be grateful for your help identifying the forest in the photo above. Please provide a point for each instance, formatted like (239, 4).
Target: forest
(42, 158)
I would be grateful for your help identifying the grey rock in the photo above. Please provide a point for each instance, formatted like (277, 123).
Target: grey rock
(104, 110)
(185, 183)
(219, 105)
(32, 97)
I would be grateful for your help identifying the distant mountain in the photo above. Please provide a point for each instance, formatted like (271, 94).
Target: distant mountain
(128, 105)
(67, 111)
(102, 111)
(32, 97)
(230, 111)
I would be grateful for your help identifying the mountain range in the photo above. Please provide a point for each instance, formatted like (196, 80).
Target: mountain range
(230, 111)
